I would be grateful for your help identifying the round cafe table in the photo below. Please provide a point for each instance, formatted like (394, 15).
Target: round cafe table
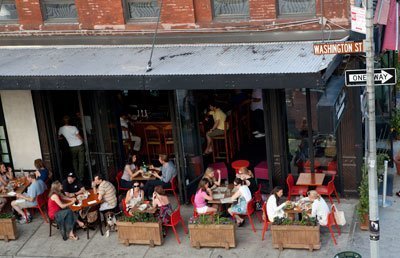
(237, 164)
(90, 201)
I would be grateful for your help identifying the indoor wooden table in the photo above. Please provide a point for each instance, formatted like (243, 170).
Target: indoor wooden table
(310, 179)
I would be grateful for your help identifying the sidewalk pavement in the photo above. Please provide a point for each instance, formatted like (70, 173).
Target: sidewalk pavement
(34, 240)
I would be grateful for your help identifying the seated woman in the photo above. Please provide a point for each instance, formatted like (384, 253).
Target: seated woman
(41, 172)
(319, 208)
(274, 210)
(203, 193)
(65, 218)
(3, 201)
(134, 196)
(6, 174)
(130, 171)
(160, 200)
(210, 175)
(248, 177)
(243, 195)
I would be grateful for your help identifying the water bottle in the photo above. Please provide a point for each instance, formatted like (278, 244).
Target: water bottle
(144, 167)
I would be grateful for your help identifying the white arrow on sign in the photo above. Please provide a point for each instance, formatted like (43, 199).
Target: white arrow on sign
(362, 77)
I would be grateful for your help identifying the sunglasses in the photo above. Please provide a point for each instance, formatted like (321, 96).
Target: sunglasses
(136, 186)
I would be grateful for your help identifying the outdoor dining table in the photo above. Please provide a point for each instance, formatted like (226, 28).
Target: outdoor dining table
(140, 177)
(23, 184)
(90, 201)
(226, 194)
(310, 179)
(149, 209)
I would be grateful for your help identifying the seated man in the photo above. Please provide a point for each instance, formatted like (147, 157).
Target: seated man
(72, 186)
(218, 128)
(106, 191)
(168, 171)
(28, 200)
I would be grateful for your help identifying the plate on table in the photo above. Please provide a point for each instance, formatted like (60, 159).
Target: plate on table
(142, 207)
(221, 189)
(12, 193)
(146, 175)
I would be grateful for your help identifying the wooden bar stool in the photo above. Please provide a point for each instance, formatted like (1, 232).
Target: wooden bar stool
(226, 140)
(168, 139)
(152, 136)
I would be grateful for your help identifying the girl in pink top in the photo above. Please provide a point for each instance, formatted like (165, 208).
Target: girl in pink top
(203, 193)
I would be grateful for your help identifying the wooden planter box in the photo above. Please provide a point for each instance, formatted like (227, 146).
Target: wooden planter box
(8, 229)
(148, 233)
(212, 235)
(294, 236)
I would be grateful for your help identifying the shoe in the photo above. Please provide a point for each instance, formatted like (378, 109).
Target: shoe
(76, 238)
(255, 132)
(23, 221)
(30, 218)
(259, 135)
(241, 224)
(398, 193)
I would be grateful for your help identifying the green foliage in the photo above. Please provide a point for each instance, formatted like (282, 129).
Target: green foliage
(139, 217)
(6, 215)
(395, 121)
(305, 221)
(210, 219)
(363, 189)
(380, 162)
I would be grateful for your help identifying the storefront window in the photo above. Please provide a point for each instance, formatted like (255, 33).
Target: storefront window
(322, 151)
(4, 145)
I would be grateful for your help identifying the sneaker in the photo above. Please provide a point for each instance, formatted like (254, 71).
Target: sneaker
(255, 132)
(23, 221)
(30, 218)
(259, 135)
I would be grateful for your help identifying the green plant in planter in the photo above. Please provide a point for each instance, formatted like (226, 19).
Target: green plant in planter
(306, 220)
(363, 189)
(6, 215)
(139, 217)
(216, 219)
(380, 162)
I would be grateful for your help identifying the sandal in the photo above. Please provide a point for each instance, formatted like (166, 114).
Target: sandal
(398, 193)
(74, 238)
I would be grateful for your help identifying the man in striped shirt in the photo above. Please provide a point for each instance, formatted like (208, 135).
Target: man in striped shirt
(106, 191)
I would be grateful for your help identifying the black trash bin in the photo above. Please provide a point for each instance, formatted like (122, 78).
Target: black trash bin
(347, 254)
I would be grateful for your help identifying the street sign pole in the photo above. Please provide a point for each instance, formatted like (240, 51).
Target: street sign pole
(371, 159)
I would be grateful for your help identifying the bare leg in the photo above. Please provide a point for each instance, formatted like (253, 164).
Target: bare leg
(209, 144)
(17, 209)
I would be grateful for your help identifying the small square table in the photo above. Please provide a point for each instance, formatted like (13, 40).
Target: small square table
(310, 179)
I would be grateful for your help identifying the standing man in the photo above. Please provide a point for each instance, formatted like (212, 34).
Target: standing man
(218, 128)
(28, 200)
(75, 142)
(168, 171)
(257, 109)
(106, 193)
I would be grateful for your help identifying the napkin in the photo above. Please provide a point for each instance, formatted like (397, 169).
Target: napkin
(77, 205)
(20, 200)
(92, 202)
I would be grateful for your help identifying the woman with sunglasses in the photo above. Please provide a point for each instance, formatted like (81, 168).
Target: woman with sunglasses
(134, 196)
(243, 195)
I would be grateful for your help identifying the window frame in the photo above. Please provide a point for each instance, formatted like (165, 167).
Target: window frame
(230, 17)
(295, 15)
(127, 14)
(9, 21)
(57, 20)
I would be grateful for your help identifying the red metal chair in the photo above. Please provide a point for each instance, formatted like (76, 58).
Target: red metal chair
(195, 214)
(258, 199)
(249, 211)
(332, 222)
(118, 179)
(328, 190)
(41, 200)
(126, 213)
(176, 217)
(294, 189)
(266, 220)
(174, 187)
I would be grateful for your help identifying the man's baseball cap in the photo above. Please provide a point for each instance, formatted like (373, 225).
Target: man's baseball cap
(71, 174)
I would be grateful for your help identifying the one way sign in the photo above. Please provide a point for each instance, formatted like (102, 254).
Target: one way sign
(384, 76)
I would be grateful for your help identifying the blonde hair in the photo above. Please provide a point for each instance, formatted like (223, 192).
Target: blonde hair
(55, 188)
(207, 174)
(245, 171)
(314, 194)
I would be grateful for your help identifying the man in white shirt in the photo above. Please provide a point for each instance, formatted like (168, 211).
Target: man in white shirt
(257, 110)
(127, 135)
(319, 208)
(75, 142)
